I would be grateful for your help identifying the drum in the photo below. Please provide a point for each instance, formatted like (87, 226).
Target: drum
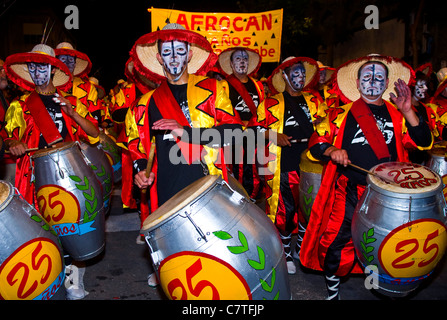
(70, 199)
(211, 242)
(31, 259)
(310, 181)
(99, 162)
(399, 229)
(113, 153)
(437, 162)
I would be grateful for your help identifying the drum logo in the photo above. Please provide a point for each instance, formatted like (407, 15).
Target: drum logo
(57, 205)
(33, 271)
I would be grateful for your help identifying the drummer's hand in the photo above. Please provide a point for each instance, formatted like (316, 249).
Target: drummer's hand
(169, 124)
(17, 148)
(280, 139)
(65, 104)
(142, 181)
(339, 156)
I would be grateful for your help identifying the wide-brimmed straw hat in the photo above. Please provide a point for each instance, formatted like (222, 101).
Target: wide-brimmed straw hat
(276, 81)
(83, 63)
(329, 71)
(143, 83)
(145, 49)
(224, 60)
(16, 67)
(345, 77)
(441, 75)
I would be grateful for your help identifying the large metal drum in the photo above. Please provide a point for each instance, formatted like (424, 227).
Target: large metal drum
(113, 153)
(70, 199)
(31, 259)
(100, 164)
(210, 242)
(437, 162)
(310, 181)
(399, 229)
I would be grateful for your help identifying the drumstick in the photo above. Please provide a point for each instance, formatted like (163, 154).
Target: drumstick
(26, 150)
(299, 140)
(373, 174)
(150, 160)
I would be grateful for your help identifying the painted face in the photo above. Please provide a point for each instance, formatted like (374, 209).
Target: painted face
(372, 81)
(297, 77)
(239, 62)
(175, 57)
(69, 61)
(322, 78)
(40, 73)
(420, 89)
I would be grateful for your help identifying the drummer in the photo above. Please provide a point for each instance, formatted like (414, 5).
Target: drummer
(43, 117)
(184, 105)
(297, 109)
(366, 131)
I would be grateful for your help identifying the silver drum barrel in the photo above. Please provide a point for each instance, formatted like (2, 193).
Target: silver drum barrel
(399, 228)
(113, 153)
(100, 164)
(31, 259)
(210, 242)
(437, 162)
(310, 181)
(70, 199)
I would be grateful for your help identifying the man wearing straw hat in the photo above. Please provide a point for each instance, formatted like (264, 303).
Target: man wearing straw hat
(42, 118)
(366, 131)
(239, 64)
(185, 105)
(290, 113)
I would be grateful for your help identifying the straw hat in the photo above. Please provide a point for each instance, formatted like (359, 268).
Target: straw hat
(144, 84)
(145, 49)
(441, 75)
(83, 63)
(276, 81)
(16, 67)
(329, 71)
(345, 77)
(224, 60)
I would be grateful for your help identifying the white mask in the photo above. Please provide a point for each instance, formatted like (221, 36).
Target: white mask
(239, 62)
(40, 73)
(372, 81)
(420, 89)
(296, 77)
(69, 61)
(175, 57)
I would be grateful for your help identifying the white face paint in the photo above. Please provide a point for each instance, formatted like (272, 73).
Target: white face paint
(322, 78)
(239, 62)
(372, 81)
(175, 57)
(297, 77)
(69, 61)
(40, 73)
(420, 89)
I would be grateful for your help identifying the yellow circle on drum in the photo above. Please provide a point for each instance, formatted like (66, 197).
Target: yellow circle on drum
(413, 249)
(406, 178)
(58, 205)
(181, 199)
(308, 165)
(192, 275)
(30, 269)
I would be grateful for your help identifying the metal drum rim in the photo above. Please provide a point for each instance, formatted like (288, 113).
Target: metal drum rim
(53, 149)
(177, 202)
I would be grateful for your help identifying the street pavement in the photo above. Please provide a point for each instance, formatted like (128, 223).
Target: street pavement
(120, 272)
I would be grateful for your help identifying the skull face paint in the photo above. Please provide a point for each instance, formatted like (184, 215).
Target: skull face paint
(69, 61)
(239, 62)
(175, 57)
(40, 73)
(420, 89)
(296, 76)
(372, 81)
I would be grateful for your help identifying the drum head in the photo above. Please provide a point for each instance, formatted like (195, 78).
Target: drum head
(178, 201)
(439, 149)
(54, 148)
(409, 178)
(5, 193)
(307, 165)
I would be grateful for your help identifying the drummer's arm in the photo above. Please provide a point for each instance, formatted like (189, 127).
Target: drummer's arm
(15, 147)
(326, 151)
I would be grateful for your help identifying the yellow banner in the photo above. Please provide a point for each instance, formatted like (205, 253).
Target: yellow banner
(259, 31)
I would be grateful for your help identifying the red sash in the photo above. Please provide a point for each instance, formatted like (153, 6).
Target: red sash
(170, 109)
(240, 88)
(367, 122)
(43, 119)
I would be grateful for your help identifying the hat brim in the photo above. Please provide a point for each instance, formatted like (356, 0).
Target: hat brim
(224, 60)
(16, 68)
(345, 77)
(145, 50)
(83, 63)
(276, 80)
(144, 84)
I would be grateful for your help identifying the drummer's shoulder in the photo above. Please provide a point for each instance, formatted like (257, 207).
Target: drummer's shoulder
(20, 100)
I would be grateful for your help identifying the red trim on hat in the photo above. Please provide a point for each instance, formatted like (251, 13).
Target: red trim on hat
(77, 54)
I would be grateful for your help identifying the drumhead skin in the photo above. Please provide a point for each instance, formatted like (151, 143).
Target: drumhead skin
(180, 200)
(5, 193)
(54, 148)
(408, 178)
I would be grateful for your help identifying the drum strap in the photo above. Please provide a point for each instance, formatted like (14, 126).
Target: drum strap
(367, 122)
(170, 109)
(43, 119)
